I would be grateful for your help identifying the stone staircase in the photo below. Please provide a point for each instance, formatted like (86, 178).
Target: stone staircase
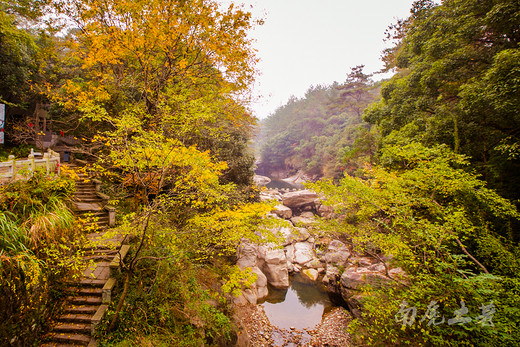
(90, 204)
(88, 297)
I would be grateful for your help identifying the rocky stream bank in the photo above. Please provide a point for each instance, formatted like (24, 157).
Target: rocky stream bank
(306, 250)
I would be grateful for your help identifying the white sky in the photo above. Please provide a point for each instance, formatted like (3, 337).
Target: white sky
(310, 42)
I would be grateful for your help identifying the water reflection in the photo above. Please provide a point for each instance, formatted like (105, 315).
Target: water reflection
(301, 305)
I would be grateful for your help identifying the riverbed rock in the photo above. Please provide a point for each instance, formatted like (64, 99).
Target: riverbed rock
(298, 220)
(303, 252)
(337, 253)
(299, 198)
(274, 266)
(325, 211)
(307, 214)
(311, 274)
(261, 180)
(247, 254)
(283, 211)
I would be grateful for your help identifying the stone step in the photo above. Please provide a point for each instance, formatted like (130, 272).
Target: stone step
(99, 223)
(84, 291)
(91, 282)
(80, 310)
(76, 318)
(96, 220)
(85, 194)
(74, 339)
(85, 300)
(90, 200)
(75, 328)
(85, 185)
(92, 212)
(101, 217)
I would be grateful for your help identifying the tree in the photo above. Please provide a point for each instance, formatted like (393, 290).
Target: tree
(163, 86)
(446, 229)
(446, 56)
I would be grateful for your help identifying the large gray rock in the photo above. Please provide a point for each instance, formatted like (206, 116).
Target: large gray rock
(247, 255)
(303, 252)
(299, 198)
(275, 266)
(289, 253)
(283, 211)
(312, 274)
(261, 180)
(301, 220)
(324, 211)
(354, 278)
(307, 214)
(292, 235)
(261, 283)
(270, 194)
(337, 253)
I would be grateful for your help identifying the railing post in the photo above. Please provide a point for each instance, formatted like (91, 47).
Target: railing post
(13, 163)
(32, 163)
(46, 158)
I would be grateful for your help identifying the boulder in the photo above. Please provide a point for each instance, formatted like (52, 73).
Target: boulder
(289, 253)
(324, 211)
(337, 253)
(299, 198)
(261, 180)
(314, 264)
(275, 267)
(294, 234)
(354, 278)
(283, 211)
(354, 305)
(270, 194)
(303, 252)
(247, 255)
(307, 214)
(301, 220)
(311, 274)
(260, 284)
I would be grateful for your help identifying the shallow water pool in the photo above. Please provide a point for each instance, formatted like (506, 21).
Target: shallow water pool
(300, 306)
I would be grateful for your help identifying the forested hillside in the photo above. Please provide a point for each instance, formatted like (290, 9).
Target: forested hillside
(314, 134)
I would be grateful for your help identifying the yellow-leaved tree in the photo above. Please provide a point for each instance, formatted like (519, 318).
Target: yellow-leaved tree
(164, 86)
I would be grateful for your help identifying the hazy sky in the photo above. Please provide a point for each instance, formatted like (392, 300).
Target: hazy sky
(310, 42)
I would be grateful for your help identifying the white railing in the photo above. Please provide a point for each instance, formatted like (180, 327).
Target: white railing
(13, 169)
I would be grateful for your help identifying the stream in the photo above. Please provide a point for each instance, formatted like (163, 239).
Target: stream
(279, 184)
(300, 306)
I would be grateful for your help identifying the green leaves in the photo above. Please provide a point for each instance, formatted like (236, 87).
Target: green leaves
(443, 226)
(458, 85)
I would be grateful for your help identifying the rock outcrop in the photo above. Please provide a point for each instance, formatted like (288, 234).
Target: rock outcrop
(299, 199)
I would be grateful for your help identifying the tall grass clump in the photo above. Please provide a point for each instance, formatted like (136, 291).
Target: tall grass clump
(38, 243)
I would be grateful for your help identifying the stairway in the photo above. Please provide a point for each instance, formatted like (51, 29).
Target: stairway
(89, 205)
(88, 297)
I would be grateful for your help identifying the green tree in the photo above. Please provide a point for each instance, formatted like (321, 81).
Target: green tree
(452, 62)
(447, 230)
